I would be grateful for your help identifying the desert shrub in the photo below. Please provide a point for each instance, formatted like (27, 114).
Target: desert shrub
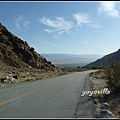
(113, 76)
(78, 67)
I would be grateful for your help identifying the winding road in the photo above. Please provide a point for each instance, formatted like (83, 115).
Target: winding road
(57, 97)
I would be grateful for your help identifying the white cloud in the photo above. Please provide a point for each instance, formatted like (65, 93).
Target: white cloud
(53, 45)
(21, 22)
(49, 30)
(60, 33)
(108, 8)
(82, 18)
(40, 38)
(95, 25)
(44, 41)
(26, 23)
(59, 24)
(18, 20)
(85, 18)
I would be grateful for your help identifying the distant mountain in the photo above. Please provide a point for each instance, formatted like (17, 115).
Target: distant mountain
(70, 58)
(17, 53)
(107, 59)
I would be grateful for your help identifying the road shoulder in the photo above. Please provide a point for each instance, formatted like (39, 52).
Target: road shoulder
(86, 108)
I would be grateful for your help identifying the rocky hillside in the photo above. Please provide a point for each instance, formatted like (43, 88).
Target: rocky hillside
(19, 62)
(17, 53)
(107, 59)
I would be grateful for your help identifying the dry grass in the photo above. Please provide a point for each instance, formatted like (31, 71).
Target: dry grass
(98, 83)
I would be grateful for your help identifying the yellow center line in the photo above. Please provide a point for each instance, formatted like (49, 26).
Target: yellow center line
(7, 101)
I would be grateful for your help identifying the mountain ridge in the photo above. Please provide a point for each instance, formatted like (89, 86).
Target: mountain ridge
(107, 59)
(70, 58)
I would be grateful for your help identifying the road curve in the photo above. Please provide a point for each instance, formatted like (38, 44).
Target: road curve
(55, 97)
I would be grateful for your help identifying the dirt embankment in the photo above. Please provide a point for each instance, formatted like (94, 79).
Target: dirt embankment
(10, 75)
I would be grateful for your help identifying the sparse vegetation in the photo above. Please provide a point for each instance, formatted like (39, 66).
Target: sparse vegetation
(109, 78)
(78, 67)
(92, 67)
(113, 76)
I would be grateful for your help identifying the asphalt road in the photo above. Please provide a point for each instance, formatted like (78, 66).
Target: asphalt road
(56, 97)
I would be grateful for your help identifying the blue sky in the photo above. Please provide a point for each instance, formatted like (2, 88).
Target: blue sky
(65, 27)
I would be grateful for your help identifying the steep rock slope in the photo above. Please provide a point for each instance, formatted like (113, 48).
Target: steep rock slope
(17, 53)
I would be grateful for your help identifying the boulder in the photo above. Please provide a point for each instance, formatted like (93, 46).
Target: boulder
(105, 114)
(2, 79)
(105, 106)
